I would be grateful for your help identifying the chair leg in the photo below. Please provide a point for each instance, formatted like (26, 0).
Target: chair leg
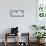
(5, 43)
(5, 40)
(17, 41)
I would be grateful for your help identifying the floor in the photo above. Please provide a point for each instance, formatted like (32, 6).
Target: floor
(13, 44)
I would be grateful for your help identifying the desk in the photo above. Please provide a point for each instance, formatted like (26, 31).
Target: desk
(8, 34)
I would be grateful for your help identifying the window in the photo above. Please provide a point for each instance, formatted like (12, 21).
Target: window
(41, 8)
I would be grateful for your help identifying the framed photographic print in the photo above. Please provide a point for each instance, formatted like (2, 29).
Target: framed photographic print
(17, 13)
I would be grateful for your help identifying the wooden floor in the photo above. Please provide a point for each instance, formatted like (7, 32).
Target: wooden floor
(13, 44)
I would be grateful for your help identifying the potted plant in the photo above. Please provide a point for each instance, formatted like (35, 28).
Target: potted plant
(39, 35)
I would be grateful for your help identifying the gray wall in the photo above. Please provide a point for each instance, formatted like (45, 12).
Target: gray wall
(23, 23)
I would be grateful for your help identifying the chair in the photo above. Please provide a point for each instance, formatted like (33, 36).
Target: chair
(14, 32)
(7, 35)
(25, 36)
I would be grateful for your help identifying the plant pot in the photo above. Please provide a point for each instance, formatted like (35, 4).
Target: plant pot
(40, 41)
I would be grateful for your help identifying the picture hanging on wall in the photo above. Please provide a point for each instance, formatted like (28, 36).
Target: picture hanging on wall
(17, 13)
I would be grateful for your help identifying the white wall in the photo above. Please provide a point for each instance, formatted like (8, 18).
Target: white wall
(23, 23)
